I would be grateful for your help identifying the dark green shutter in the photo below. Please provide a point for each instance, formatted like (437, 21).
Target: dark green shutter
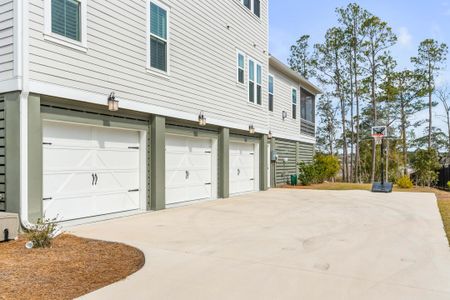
(257, 7)
(66, 19)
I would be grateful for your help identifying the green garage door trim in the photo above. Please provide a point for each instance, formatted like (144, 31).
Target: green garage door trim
(295, 152)
(2, 154)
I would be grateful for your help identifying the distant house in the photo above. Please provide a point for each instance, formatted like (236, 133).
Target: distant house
(110, 108)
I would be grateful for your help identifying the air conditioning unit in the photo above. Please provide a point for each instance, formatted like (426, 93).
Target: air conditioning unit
(9, 226)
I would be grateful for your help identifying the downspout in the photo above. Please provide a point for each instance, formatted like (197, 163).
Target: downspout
(22, 72)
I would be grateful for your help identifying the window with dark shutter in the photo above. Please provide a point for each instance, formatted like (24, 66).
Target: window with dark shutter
(251, 81)
(271, 92)
(248, 3)
(66, 19)
(294, 104)
(259, 84)
(240, 68)
(257, 7)
(158, 37)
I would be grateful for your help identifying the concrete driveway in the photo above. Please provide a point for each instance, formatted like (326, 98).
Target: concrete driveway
(286, 244)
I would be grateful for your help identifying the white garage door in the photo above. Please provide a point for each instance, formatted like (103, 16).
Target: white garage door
(242, 168)
(188, 169)
(89, 171)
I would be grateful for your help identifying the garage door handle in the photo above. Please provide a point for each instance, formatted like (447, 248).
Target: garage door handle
(239, 172)
(93, 179)
(187, 174)
(96, 178)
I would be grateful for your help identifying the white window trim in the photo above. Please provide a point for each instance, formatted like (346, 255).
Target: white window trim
(252, 10)
(81, 45)
(255, 81)
(239, 52)
(269, 93)
(149, 68)
(296, 103)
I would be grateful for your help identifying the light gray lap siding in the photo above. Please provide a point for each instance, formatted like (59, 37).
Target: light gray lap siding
(6, 39)
(202, 56)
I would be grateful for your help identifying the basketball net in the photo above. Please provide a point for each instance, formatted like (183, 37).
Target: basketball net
(378, 138)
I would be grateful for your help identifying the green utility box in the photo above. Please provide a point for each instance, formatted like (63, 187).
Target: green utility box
(294, 180)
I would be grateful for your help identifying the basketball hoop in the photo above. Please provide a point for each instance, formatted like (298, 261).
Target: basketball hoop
(378, 139)
(378, 133)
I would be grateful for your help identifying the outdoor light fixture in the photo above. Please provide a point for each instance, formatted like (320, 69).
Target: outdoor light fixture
(113, 104)
(251, 129)
(269, 136)
(284, 115)
(202, 119)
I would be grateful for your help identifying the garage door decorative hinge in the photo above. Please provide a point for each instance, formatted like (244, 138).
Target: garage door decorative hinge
(209, 183)
(136, 148)
(50, 198)
(132, 191)
(252, 179)
(47, 144)
(252, 153)
(207, 151)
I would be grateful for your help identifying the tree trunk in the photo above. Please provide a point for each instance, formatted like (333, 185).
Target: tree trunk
(374, 120)
(357, 159)
(403, 128)
(352, 125)
(430, 106)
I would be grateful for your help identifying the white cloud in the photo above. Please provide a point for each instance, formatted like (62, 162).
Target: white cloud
(404, 37)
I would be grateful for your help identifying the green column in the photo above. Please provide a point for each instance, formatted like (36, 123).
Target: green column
(263, 185)
(273, 169)
(35, 159)
(12, 152)
(224, 163)
(158, 163)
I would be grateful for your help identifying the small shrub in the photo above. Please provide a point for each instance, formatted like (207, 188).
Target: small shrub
(448, 185)
(307, 173)
(42, 233)
(326, 166)
(404, 182)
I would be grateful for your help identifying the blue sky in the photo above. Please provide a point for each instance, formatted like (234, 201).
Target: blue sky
(412, 21)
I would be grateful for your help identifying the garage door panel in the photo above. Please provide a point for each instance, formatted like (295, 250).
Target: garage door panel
(242, 167)
(64, 158)
(188, 169)
(116, 181)
(64, 134)
(176, 161)
(78, 152)
(117, 159)
(58, 184)
(107, 138)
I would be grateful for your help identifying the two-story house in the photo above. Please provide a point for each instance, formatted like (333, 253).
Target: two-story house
(110, 108)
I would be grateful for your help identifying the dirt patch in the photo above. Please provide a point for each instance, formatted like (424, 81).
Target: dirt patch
(71, 268)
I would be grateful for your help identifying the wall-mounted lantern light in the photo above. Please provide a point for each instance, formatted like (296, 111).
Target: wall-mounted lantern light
(269, 136)
(251, 129)
(284, 115)
(113, 104)
(202, 119)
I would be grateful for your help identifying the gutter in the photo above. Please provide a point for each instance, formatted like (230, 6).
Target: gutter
(22, 75)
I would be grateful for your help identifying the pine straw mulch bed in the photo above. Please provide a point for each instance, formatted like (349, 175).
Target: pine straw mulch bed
(71, 268)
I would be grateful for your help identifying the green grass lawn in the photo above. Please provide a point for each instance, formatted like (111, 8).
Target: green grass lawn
(442, 196)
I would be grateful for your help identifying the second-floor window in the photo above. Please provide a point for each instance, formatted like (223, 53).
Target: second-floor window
(307, 107)
(271, 92)
(253, 5)
(294, 103)
(240, 67)
(66, 18)
(158, 36)
(254, 82)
